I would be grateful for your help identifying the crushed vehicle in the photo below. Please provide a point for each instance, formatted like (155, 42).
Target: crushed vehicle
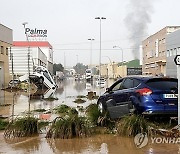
(43, 81)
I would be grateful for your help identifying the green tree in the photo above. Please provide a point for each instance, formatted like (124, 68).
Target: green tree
(80, 68)
(57, 67)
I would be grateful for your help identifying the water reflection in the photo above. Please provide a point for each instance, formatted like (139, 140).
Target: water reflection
(26, 145)
(79, 86)
(98, 144)
(66, 93)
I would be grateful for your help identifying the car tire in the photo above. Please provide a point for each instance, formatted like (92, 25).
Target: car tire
(41, 80)
(132, 108)
(101, 107)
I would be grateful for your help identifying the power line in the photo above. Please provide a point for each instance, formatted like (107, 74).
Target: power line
(97, 49)
(77, 43)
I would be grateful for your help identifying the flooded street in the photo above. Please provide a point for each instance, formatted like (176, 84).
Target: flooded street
(100, 144)
(66, 93)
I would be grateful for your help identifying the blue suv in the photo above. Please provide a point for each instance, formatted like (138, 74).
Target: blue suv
(142, 95)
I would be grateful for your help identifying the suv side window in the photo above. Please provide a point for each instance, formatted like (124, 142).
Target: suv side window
(128, 83)
(136, 82)
(117, 86)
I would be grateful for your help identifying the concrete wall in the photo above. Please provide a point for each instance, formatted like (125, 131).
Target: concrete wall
(4, 64)
(171, 68)
(173, 49)
(1, 74)
(122, 71)
(6, 34)
(6, 38)
(113, 70)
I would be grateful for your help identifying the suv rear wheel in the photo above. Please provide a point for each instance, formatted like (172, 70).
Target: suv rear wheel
(132, 109)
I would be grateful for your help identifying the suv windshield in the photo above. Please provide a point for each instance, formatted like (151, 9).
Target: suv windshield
(162, 83)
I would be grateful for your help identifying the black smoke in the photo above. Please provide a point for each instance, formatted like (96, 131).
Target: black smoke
(136, 21)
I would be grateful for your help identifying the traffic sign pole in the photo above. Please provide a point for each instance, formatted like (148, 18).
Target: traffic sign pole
(177, 62)
(178, 76)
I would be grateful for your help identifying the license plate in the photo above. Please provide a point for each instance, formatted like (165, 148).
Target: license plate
(171, 104)
(170, 95)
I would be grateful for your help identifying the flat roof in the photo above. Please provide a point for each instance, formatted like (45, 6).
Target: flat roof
(32, 44)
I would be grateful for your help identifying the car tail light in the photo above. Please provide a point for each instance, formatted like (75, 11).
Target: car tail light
(144, 91)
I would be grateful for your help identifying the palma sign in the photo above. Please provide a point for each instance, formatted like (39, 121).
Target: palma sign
(36, 32)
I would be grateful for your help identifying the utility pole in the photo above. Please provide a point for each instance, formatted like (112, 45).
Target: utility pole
(28, 56)
(91, 39)
(100, 18)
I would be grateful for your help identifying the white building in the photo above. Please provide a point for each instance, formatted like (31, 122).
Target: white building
(41, 54)
(20, 59)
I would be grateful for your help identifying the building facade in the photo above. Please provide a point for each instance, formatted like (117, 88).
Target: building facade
(19, 59)
(6, 39)
(41, 53)
(154, 52)
(113, 71)
(172, 49)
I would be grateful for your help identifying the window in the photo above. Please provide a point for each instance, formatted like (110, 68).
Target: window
(168, 53)
(128, 83)
(163, 84)
(163, 53)
(136, 83)
(153, 65)
(159, 41)
(157, 47)
(171, 52)
(152, 53)
(163, 41)
(147, 66)
(2, 50)
(117, 86)
(175, 51)
(45, 73)
(6, 51)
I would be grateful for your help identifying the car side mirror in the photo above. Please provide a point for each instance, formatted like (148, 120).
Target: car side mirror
(107, 89)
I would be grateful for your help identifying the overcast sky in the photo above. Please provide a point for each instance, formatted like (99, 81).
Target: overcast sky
(70, 23)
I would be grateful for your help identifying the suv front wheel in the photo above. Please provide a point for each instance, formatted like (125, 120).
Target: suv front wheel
(101, 107)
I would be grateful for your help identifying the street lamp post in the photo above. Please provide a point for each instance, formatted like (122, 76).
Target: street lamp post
(100, 18)
(121, 51)
(91, 51)
(77, 58)
(64, 60)
(24, 24)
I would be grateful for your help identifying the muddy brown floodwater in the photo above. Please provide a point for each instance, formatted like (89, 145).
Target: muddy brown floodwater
(98, 144)
(66, 93)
